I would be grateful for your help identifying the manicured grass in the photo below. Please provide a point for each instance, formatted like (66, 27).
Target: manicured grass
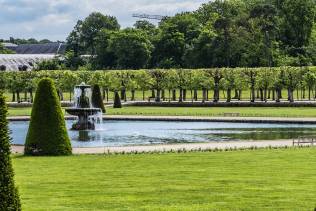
(215, 111)
(282, 179)
(21, 111)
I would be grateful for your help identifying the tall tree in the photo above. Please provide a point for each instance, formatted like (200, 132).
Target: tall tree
(88, 29)
(169, 47)
(297, 22)
(131, 48)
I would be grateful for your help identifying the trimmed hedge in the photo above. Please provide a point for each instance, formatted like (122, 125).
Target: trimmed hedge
(97, 101)
(47, 134)
(117, 101)
(9, 196)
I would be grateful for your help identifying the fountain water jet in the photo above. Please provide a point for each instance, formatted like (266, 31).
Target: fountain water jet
(87, 115)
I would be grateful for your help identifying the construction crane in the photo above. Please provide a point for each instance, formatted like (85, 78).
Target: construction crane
(152, 17)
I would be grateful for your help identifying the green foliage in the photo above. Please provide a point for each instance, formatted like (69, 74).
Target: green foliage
(297, 18)
(47, 134)
(86, 31)
(131, 48)
(4, 50)
(241, 79)
(148, 28)
(54, 64)
(9, 196)
(97, 101)
(231, 33)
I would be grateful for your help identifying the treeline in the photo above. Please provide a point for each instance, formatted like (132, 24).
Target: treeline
(230, 33)
(19, 41)
(177, 84)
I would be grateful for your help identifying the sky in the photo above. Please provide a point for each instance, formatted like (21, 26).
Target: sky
(54, 19)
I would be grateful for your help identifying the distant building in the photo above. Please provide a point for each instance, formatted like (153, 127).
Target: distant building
(28, 55)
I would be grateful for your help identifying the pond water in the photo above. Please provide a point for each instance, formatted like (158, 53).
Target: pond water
(129, 133)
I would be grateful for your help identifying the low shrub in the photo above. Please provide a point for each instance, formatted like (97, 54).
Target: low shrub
(97, 101)
(117, 101)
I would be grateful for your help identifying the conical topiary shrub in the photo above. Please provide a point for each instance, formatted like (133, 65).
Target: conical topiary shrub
(47, 134)
(97, 101)
(117, 100)
(9, 196)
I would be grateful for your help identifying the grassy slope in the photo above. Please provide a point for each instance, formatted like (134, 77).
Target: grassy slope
(247, 180)
(156, 111)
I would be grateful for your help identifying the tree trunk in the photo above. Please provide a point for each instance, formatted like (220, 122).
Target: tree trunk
(278, 95)
(192, 97)
(207, 95)
(236, 94)
(163, 95)
(169, 91)
(195, 95)
(253, 93)
(229, 93)
(133, 95)
(309, 93)
(181, 96)
(158, 99)
(184, 94)
(291, 95)
(143, 95)
(265, 95)
(153, 95)
(31, 96)
(261, 94)
(240, 95)
(174, 95)
(122, 93)
(204, 97)
(216, 93)
(103, 93)
(13, 96)
(258, 94)
(18, 96)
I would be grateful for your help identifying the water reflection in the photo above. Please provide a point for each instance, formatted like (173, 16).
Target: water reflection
(126, 133)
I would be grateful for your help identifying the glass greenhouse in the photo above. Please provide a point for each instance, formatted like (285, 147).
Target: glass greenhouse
(14, 62)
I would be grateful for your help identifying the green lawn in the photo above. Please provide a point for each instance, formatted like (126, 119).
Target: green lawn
(282, 179)
(215, 111)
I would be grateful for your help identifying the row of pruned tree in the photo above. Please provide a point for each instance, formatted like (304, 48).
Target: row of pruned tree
(176, 84)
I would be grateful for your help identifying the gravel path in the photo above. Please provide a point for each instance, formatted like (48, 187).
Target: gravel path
(174, 147)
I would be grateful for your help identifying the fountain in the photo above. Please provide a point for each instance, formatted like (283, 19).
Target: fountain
(87, 115)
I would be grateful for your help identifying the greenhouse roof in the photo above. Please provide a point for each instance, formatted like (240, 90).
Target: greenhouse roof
(13, 62)
(48, 48)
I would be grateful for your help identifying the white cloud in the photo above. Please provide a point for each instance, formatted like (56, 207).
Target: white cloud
(54, 19)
